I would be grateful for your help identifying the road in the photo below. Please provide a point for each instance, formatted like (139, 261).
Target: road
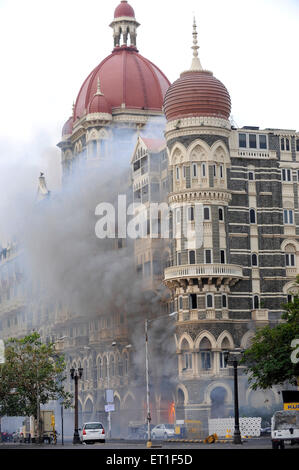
(253, 443)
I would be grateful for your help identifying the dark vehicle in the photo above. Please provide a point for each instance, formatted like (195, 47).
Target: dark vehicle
(138, 430)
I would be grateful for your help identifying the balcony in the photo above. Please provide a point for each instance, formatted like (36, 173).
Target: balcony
(228, 272)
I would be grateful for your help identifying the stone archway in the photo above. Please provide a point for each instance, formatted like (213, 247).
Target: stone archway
(116, 421)
(218, 398)
(88, 411)
(180, 404)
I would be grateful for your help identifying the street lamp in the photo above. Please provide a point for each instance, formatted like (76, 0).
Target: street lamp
(76, 374)
(232, 358)
(149, 418)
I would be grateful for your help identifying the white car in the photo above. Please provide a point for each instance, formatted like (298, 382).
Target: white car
(92, 432)
(163, 431)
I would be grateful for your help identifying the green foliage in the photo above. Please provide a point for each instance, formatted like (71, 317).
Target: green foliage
(268, 360)
(33, 373)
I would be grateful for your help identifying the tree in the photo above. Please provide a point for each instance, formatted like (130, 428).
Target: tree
(269, 359)
(33, 374)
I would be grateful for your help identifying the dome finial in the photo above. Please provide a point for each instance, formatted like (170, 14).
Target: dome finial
(196, 65)
(99, 88)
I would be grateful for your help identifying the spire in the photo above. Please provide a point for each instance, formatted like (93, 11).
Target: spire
(196, 65)
(99, 93)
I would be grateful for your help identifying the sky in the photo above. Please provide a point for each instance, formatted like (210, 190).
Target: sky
(48, 47)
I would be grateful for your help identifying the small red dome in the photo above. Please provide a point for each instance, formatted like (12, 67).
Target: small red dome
(197, 93)
(99, 104)
(124, 9)
(127, 79)
(68, 126)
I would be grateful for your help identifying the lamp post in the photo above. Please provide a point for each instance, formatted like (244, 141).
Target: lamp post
(76, 374)
(231, 358)
(149, 418)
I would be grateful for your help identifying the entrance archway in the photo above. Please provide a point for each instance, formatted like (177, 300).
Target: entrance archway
(218, 399)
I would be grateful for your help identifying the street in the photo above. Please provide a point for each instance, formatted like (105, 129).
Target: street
(118, 444)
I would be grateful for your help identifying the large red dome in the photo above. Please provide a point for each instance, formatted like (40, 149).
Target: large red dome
(197, 93)
(128, 80)
(124, 9)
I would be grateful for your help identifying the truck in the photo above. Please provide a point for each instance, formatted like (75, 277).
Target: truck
(284, 428)
(47, 426)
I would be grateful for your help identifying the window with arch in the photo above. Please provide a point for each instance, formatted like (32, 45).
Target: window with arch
(126, 364)
(105, 368)
(285, 144)
(221, 214)
(290, 256)
(194, 170)
(206, 213)
(225, 346)
(192, 257)
(180, 303)
(120, 366)
(177, 173)
(252, 216)
(191, 213)
(208, 256)
(209, 300)
(187, 363)
(203, 170)
(256, 302)
(221, 171)
(205, 354)
(192, 301)
(254, 259)
(112, 366)
(100, 369)
(224, 301)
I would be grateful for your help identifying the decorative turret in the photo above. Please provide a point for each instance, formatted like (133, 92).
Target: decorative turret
(124, 25)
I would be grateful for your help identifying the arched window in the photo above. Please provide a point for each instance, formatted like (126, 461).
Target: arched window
(112, 366)
(290, 256)
(225, 346)
(100, 369)
(120, 367)
(105, 368)
(254, 259)
(180, 303)
(252, 216)
(187, 355)
(221, 215)
(256, 302)
(210, 300)
(206, 213)
(205, 354)
(126, 364)
(192, 257)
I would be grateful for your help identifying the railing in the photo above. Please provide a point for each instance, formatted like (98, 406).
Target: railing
(203, 270)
